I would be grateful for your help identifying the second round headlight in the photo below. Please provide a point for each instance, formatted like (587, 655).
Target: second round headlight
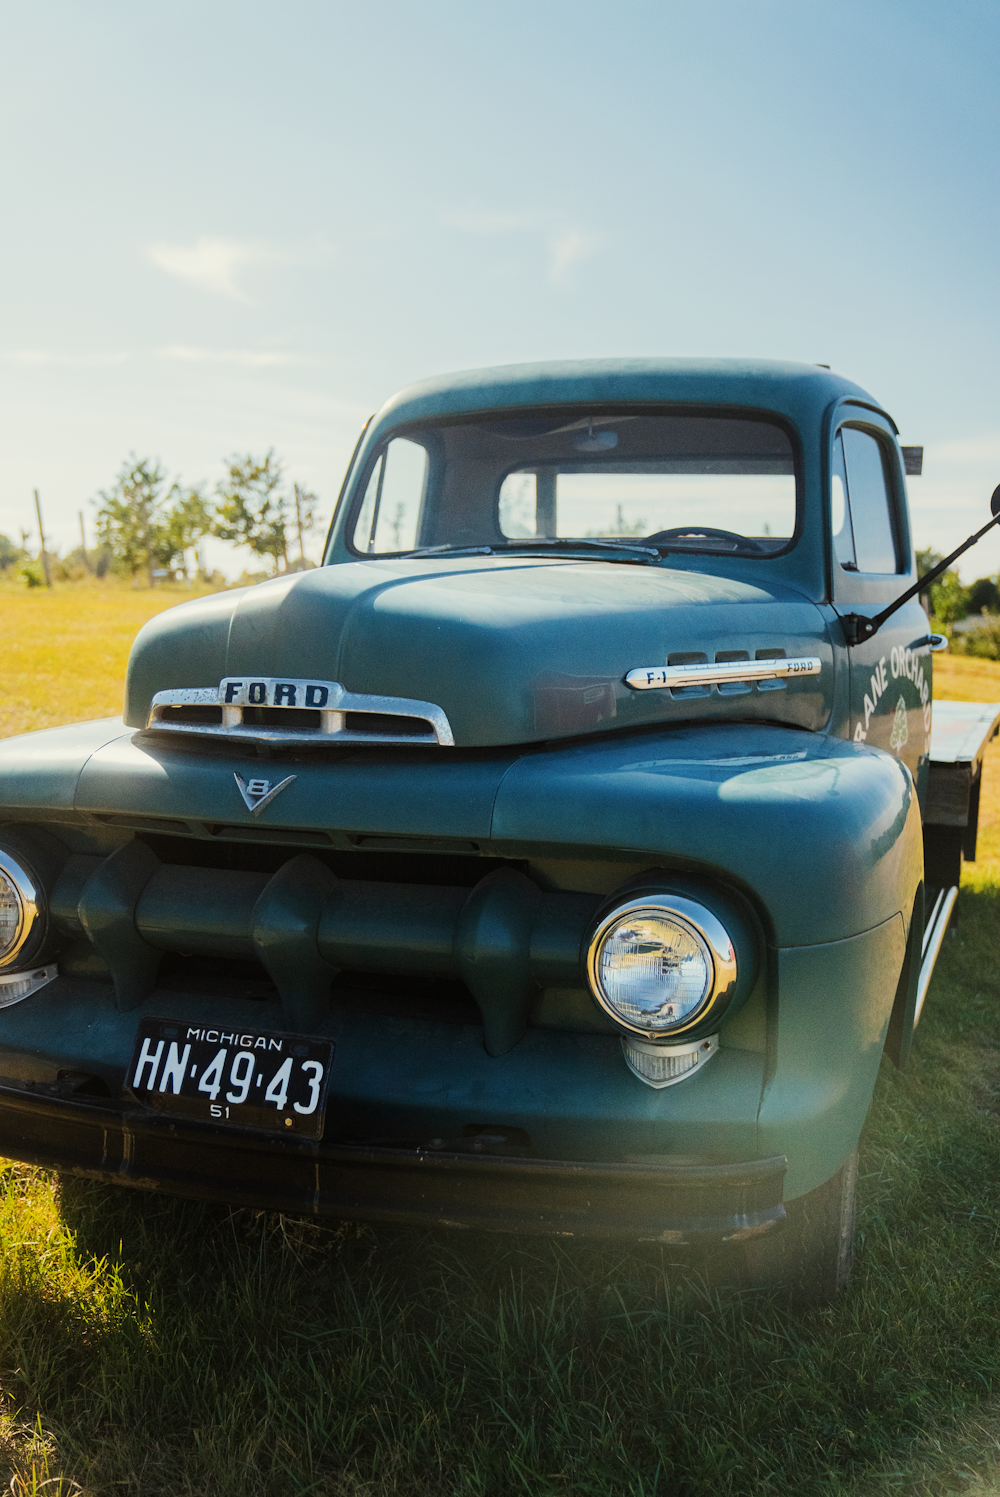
(19, 912)
(657, 967)
(11, 915)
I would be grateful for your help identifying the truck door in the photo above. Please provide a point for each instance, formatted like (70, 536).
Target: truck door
(873, 562)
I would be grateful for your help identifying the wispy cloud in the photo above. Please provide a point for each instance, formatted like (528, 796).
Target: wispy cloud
(965, 451)
(565, 243)
(54, 356)
(247, 357)
(210, 263)
(567, 246)
(484, 222)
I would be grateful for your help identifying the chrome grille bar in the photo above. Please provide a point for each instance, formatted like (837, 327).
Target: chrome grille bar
(334, 714)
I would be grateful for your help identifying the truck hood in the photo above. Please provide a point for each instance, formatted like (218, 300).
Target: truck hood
(513, 650)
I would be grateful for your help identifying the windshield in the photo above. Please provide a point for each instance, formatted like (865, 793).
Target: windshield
(698, 483)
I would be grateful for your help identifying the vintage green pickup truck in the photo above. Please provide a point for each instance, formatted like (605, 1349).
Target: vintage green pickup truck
(551, 859)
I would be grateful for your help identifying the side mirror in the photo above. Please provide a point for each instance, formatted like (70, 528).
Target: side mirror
(995, 500)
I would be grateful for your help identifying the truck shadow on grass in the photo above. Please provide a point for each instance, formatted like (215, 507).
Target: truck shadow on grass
(175, 1347)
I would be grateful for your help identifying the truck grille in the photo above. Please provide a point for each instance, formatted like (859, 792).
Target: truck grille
(273, 711)
(488, 938)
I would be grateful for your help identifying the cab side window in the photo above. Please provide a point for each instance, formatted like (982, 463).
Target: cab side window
(840, 510)
(389, 519)
(869, 504)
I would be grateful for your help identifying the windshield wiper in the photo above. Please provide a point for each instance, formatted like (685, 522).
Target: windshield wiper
(597, 549)
(450, 551)
(584, 543)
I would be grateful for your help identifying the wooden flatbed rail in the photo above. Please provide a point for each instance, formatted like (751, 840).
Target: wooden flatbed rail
(959, 734)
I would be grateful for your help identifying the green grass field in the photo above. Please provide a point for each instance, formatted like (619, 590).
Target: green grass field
(155, 1346)
(65, 651)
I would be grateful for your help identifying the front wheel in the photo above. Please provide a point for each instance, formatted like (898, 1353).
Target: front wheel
(809, 1260)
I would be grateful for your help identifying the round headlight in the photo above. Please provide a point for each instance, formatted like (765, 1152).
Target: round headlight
(657, 965)
(18, 908)
(11, 915)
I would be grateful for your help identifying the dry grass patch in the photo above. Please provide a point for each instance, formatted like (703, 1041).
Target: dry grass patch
(66, 649)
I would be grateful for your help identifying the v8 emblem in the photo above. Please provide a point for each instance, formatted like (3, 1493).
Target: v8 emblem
(260, 793)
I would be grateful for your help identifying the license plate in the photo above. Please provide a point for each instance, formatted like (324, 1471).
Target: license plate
(249, 1078)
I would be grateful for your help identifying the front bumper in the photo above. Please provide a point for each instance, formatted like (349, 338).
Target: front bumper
(700, 1205)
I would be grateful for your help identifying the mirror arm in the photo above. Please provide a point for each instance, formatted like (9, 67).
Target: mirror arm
(858, 627)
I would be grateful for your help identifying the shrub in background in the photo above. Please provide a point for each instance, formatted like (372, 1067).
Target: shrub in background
(983, 641)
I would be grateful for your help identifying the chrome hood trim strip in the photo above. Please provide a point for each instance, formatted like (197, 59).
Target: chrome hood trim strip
(721, 673)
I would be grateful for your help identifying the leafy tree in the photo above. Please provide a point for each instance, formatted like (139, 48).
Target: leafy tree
(129, 515)
(306, 518)
(251, 510)
(927, 560)
(182, 526)
(9, 553)
(145, 525)
(949, 600)
(984, 596)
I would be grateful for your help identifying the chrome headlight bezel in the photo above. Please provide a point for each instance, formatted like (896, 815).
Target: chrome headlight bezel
(702, 923)
(28, 894)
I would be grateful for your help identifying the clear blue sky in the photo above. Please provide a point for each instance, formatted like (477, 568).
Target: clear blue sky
(230, 226)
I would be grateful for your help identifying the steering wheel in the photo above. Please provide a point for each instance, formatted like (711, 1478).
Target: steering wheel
(679, 531)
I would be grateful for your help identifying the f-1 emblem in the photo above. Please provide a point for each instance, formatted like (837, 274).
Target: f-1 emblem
(260, 793)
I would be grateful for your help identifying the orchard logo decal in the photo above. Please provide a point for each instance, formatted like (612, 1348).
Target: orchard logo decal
(902, 662)
(900, 732)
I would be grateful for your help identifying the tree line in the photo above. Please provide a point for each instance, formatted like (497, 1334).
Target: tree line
(950, 600)
(147, 525)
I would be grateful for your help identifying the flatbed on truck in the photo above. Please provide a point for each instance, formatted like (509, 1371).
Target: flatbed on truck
(960, 734)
